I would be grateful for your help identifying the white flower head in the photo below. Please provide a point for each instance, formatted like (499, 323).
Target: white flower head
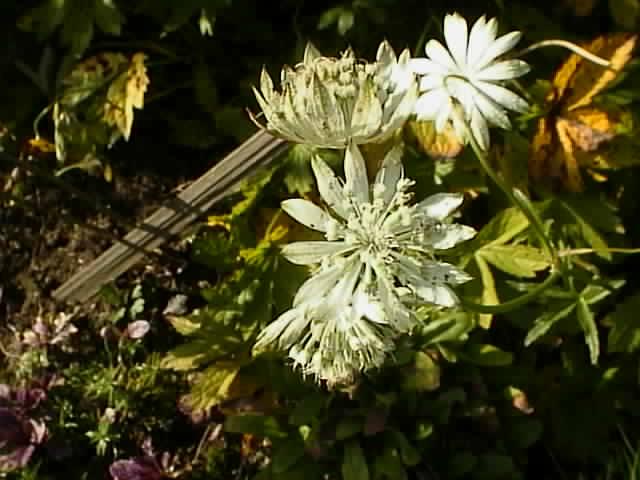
(376, 263)
(330, 102)
(463, 82)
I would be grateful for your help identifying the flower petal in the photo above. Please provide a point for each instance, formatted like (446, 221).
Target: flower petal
(492, 112)
(318, 285)
(437, 53)
(441, 272)
(480, 129)
(495, 49)
(285, 330)
(502, 96)
(448, 236)
(504, 70)
(389, 173)
(367, 111)
(456, 36)
(429, 104)
(306, 253)
(437, 294)
(355, 172)
(306, 213)
(440, 205)
(482, 35)
(424, 66)
(431, 81)
(329, 187)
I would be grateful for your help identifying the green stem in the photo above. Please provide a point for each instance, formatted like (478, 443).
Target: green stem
(518, 302)
(520, 200)
(515, 196)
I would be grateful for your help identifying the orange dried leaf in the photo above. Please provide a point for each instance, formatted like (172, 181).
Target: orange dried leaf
(576, 129)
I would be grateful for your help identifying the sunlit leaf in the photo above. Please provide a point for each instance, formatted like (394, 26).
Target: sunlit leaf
(519, 260)
(423, 375)
(126, 93)
(588, 324)
(545, 321)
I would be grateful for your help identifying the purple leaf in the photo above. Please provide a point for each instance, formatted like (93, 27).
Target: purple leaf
(138, 468)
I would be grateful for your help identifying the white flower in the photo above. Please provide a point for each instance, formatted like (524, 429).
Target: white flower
(376, 263)
(330, 102)
(463, 82)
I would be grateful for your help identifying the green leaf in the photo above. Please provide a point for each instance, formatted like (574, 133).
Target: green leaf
(263, 426)
(625, 13)
(389, 466)
(212, 386)
(286, 454)
(488, 355)
(329, 17)
(588, 324)
(215, 250)
(489, 292)
(545, 321)
(518, 260)
(593, 293)
(408, 453)
(461, 464)
(299, 177)
(183, 325)
(590, 235)
(424, 430)
(502, 228)
(108, 17)
(624, 337)
(307, 410)
(451, 326)
(348, 427)
(354, 464)
(493, 466)
(525, 431)
(424, 374)
(186, 357)
(345, 21)
(205, 88)
(77, 28)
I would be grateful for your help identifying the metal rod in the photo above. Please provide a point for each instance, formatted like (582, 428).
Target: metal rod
(174, 217)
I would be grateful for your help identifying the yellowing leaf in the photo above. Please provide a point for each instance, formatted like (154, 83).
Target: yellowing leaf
(489, 292)
(423, 375)
(518, 260)
(576, 128)
(126, 93)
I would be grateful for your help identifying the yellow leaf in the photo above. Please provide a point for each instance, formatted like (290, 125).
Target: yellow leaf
(125, 93)
(575, 130)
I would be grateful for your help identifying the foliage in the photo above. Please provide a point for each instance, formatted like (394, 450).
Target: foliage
(535, 370)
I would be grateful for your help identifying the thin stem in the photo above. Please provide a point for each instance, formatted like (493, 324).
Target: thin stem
(515, 196)
(516, 302)
(570, 252)
(586, 54)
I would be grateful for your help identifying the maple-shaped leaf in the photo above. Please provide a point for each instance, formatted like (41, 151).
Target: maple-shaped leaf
(125, 93)
(575, 128)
